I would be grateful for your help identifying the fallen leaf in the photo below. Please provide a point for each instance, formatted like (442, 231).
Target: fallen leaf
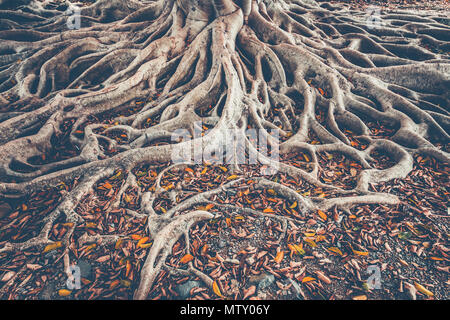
(279, 256)
(64, 292)
(187, 258)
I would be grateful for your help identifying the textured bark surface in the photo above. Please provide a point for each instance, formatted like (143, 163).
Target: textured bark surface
(318, 72)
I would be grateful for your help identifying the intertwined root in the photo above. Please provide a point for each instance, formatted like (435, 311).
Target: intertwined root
(318, 74)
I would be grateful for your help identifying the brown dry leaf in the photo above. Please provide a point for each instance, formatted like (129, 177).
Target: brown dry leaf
(249, 292)
(362, 297)
(8, 276)
(323, 277)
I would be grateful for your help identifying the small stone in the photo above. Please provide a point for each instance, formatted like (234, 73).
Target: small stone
(85, 268)
(5, 209)
(250, 260)
(263, 281)
(184, 289)
(222, 243)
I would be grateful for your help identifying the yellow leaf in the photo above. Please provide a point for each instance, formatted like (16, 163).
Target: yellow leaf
(363, 297)
(232, 177)
(64, 292)
(204, 170)
(142, 241)
(279, 256)
(189, 170)
(187, 258)
(322, 215)
(68, 224)
(228, 221)
(209, 206)
(107, 185)
(216, 289)
(136, 237)
(308, 279)
(118, 243)
(360, 253)
(52, 246)
(91, 225)
(146, 245)
(272, 192)
(310, 242)
(294, 205)
(299, 249)
(423, 290)
(90, 247)
(268, 210)
(335, 250)
(223, 169)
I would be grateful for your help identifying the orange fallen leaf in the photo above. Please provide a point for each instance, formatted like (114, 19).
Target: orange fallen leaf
(423, 290)
(335, 250)
(64, 292)
(107, 185)
(322, 215)
(216, 289)
(142, 241)
(360, 253)
(118, 243)
(52, 246)
(308, 279)
(114, 284)
(189, 170)
(279, 256)
(187, 258)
